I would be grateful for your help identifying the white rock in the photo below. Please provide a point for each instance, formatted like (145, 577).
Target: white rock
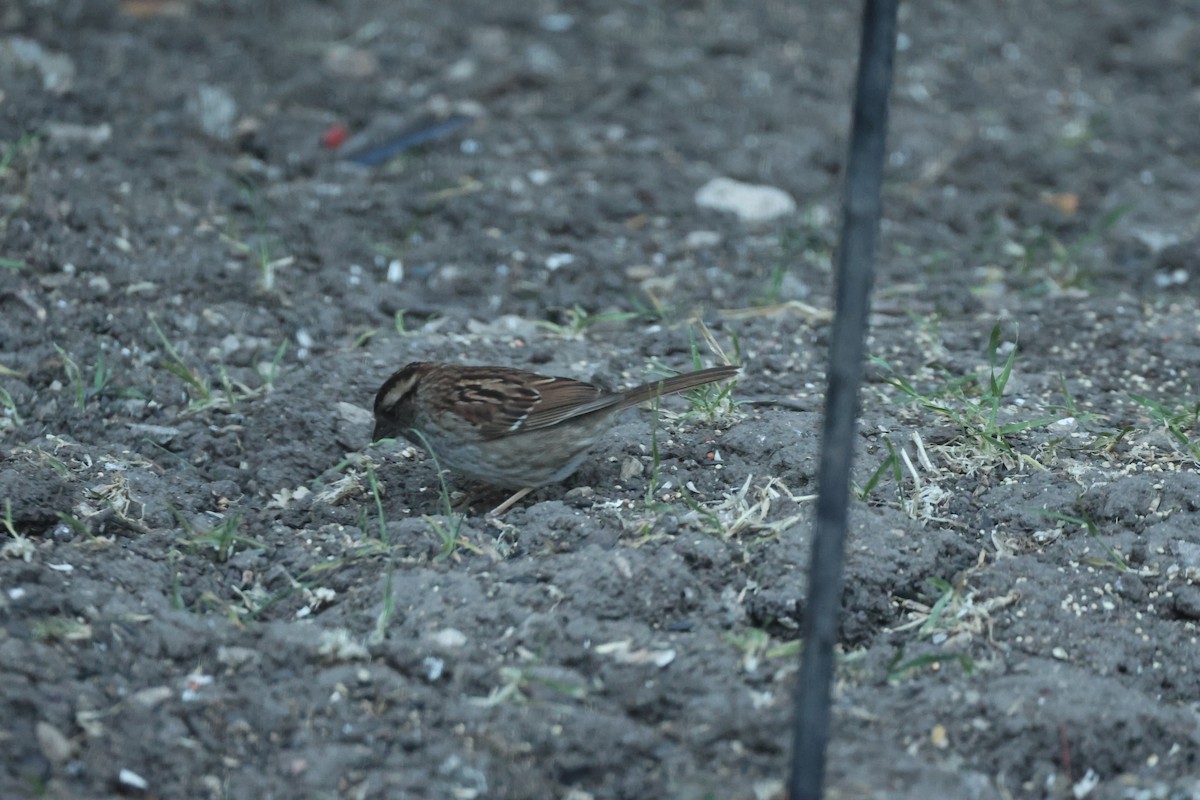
(356, 415)
(556, 261)
(57, 69)
(74, 134)
(215, 110)
(128, 777)
(56, 747)
(434, 667)
(508, 325)
(351, 62)
(1064, 425)
(447, 638)
(751, 202)
(701, 240)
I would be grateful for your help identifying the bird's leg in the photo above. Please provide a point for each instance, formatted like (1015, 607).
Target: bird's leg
(509, 503)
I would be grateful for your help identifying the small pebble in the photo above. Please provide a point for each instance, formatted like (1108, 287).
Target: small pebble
(56, 747)
(701, 240)
(434, 667)
(752, 203)
(447, 638)
(132, 780)
(557, 261)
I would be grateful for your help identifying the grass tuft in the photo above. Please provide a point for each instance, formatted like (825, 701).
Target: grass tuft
(578, 321)
(974, 406)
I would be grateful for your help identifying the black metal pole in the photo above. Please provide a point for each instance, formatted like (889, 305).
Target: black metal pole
(856, 255)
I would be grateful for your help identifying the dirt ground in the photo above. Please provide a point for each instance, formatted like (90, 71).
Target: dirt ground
(212, 588)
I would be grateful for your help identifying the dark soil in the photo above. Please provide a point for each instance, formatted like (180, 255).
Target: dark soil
(212, 587)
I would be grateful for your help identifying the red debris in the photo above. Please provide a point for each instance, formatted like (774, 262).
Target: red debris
(335, 136)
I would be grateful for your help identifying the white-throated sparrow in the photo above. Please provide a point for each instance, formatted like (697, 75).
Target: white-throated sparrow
(508, 427)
